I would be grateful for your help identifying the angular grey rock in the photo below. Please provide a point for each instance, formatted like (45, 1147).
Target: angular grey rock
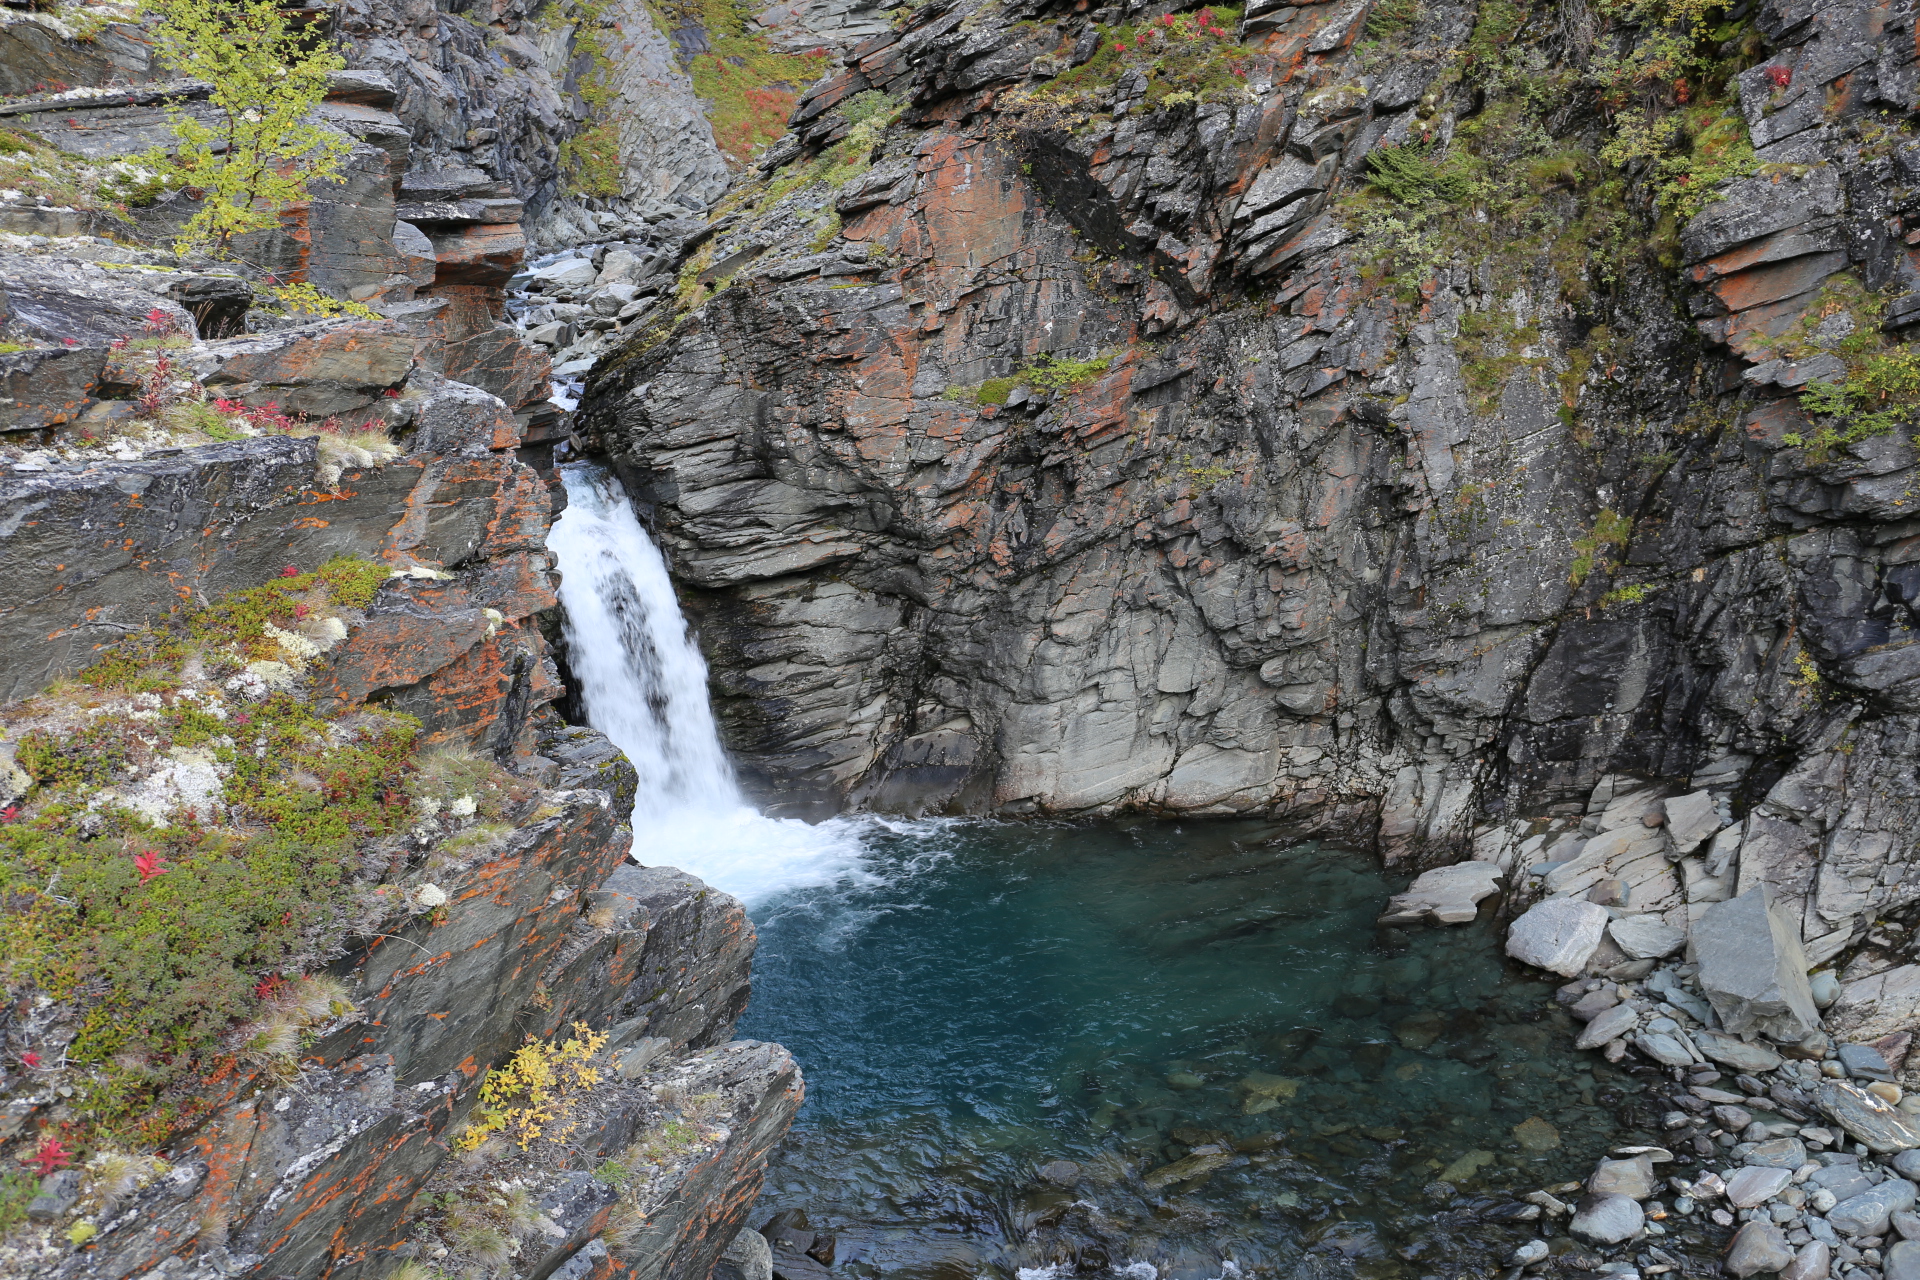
(1870, 1212)
(1756, 1184)
(1813, 1262)
(1610, 1025)
(1843, 1181)
(1778, 1153)
(749, 1257)
(1559, 935)
(1758, 1246)
(1663, 1049)
(1631, 1177)
(1607, 1219)
(1692, 818)
(59, 1192)
(1752, 967)
(1866, 1118)
(1738, 1054)
(1646, 937)
(1594, 1003)
(1445, 895)
(1879, 1005)
(1864, 1062)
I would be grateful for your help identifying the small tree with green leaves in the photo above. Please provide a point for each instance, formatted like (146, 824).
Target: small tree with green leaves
(262, 149)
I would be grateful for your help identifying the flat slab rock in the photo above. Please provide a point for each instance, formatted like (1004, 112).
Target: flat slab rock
(1445, 895)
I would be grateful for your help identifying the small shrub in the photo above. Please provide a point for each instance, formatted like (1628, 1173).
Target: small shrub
(1610, 530)
(264, 151)
(302, 297)
(529, 1099)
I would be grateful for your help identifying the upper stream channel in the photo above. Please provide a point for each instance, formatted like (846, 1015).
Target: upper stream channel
(1171, 1051)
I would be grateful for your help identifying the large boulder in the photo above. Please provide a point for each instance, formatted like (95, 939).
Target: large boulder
(1559, 935)
(1752, 968)
(322, 369)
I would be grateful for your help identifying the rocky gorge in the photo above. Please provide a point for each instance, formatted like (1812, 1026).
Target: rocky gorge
(1475, 432)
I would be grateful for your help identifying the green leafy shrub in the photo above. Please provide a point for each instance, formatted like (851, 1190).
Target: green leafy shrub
(1046, 373)
(266, 78)
(1416, 175)
(1879, 394)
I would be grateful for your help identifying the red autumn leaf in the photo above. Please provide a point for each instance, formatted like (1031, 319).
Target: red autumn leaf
(289, 572)
(149, 866)
(30, 1059)
(1781, 76)
(9, 813)
(50, 1155)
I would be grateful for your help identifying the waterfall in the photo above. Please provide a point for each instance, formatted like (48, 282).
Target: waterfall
(643, 683)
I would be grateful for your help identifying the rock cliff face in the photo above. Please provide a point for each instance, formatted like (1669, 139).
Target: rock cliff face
(178, 435)
(1335, 417)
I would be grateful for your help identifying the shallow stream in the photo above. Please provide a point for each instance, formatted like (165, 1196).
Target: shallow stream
(986, 1000)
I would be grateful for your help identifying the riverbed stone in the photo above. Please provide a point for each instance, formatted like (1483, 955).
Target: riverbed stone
(1907, 1223)
(1741, 1055)
(1864, 1062)
(1814, 1261)
(1607, 1219)
(1866, 1118)
(1870, 1212)
(1778, 1153)
(1756, 1184)
(1646, 937)
(1559, 935)
(1901, 1261)
(1611, 1025)
(1630, 1177)
(1664, 1049)
(1758, 1246)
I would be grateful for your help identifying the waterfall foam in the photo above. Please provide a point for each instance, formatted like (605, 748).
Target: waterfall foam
(643, 683)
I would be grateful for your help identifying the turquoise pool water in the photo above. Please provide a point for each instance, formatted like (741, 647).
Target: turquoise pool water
(988, 1000)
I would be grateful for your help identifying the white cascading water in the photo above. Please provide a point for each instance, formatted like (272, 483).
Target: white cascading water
(643, 683)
